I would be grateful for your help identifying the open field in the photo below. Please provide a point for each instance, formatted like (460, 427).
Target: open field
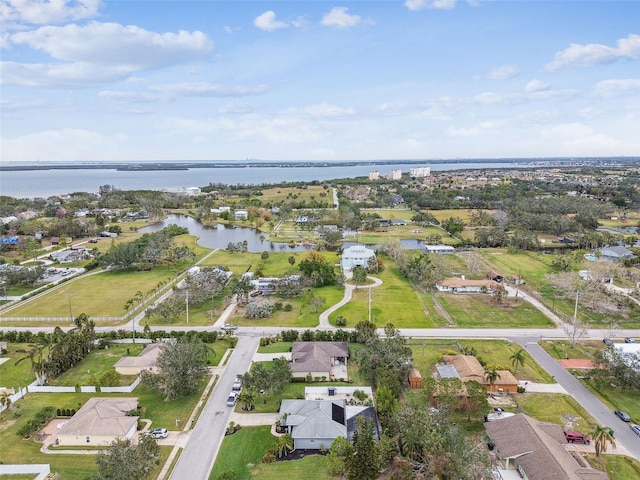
(74, 467)
(12, 375)
(241, 451)
(554, 408)
(309, 193)
(426, 353)
(561, 349)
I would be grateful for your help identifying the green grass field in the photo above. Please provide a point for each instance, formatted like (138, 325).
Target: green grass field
(12, 375)
(554, 408)
(278, 347)
(312, 467)
(242, 451)
(618, 467)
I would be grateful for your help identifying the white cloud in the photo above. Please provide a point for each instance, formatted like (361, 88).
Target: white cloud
(580, 139)
(482, 128)
(577, 55)
(41, 12)
(205, 89)
(504, 72)
(416, 5)
(63, 145)
(339, 17)
(113, 44)
(536, 86)
(614, 88)
(324, 110)
(60, 75)
(267, 22)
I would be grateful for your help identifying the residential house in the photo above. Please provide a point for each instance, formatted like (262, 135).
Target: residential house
(398, 222)
(468, 368)
(193, 190)
(496, 277)
(267, 285)
(439, 248)
(241, 215)
(70, 256)
(462, 285)
(535, 450)
(100, 421)
(315, 424)
(339, 393)
(616, 252)
(356, 256)
(147, 360)
(319, 359)
(11, 242)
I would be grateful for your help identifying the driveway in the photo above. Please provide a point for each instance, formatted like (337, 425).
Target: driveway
(348, 293)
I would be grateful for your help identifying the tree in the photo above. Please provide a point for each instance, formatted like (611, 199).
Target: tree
(363, 464)
(264, 255)
(517, 359)
(291, 260)
(283, 445)
(499, 294)
(5, 399)
(317, 268)
(359, 276)
(126, 461)
(602, 437)
(183, 366)
(340, 453)
(477, 397)
(491, 375)
(453, 226)
(247, 399)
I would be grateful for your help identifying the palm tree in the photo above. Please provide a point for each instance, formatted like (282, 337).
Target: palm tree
(491, 375)
(517, 359)
(5, 399)
(602, 436)
(247, 398)
(284, 445)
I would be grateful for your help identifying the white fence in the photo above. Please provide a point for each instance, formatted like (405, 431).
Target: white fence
(127, 389)
(42, 469)
(47, 389)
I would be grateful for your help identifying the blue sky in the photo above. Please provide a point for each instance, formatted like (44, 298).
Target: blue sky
(87, 80)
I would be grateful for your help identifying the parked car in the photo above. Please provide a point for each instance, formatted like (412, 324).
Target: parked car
(624, 416)
(629, 340)
(229, 327)
(636, 429)
(232, 399)
(237, 384)
(607, 342)
(577, 437)
(159, 433)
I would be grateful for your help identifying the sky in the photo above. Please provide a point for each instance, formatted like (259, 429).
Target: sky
(171, 80)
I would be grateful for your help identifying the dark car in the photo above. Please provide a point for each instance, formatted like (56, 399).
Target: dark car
(624, 416)
(607, 342)
(630, 340)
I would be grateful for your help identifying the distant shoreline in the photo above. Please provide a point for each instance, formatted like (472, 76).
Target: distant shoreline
(148, 166)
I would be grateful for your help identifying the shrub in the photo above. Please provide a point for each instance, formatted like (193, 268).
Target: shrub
(287, 307)
(289, 335)
(269, 457)
(341, 321)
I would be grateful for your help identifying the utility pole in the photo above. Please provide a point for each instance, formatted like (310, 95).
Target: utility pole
(369, 303)
(575, 309)
(187, 301)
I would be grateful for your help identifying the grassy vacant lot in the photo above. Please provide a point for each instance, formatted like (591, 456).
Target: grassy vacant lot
(312, 467)
(279, 347)
(279, 195)
(242, 451)
(394, 301)
(12, 375)
(96, 364)
(471, 311)
(561, 349)
(554, 408)
(426, 353)
(74, 467)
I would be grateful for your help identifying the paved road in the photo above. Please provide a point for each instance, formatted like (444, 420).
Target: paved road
(627, 440)
(202, 448)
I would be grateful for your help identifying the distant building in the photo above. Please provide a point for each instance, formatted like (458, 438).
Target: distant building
(420, 172)
(241, 215)
(615, 253)
(193, 190)
(356, 256)
(439, 248)
(394, 175)
(375, 175)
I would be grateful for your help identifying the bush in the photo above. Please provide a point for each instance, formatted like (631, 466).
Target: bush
(289, 335)
(269, 457)
(287, 307)
(341, 321)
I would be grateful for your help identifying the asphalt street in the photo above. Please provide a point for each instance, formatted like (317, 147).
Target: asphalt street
(196, 460)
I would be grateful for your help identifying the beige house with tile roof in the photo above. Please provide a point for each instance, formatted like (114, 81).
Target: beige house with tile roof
(469, 368)
(462, 285)
(536, 450)
(145, 361)
(100, 421)
(319, 359)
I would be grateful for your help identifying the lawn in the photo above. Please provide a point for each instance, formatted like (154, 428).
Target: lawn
(480, 311)
(312, 467)
(395, 301)
(12, 447)
(426, 353)
(555, 408)
(242, 451)
(618, 467)
(278, 347)
(561, 349)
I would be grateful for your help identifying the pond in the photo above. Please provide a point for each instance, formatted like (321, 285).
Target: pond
(222, 235)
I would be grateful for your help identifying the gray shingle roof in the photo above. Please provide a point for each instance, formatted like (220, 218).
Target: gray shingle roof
(316, 356)
(102, 416)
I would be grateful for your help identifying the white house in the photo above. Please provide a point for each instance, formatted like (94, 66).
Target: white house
(356, 256)
(439, 248)
(241, 215)
(193, 190)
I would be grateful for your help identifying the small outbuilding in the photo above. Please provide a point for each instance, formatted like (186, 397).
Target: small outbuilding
(415, 379)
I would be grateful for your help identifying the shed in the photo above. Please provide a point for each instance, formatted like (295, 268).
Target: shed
(415, 379)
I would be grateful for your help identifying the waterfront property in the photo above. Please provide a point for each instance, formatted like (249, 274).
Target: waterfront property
(356, 256)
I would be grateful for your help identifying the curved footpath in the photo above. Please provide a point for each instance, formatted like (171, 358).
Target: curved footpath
(348, 293)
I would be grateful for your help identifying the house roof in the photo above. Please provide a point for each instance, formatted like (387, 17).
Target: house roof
(312, 418)
(447, 371)
(147, 358)
(316, 356)
(537, 448)
(357, 251)
(467, 366)
(617, 250)
(102, 416)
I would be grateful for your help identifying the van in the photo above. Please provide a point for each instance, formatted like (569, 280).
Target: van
(577, 437)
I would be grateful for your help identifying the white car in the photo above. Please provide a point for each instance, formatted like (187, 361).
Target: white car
(232, 399)
(237, 384)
